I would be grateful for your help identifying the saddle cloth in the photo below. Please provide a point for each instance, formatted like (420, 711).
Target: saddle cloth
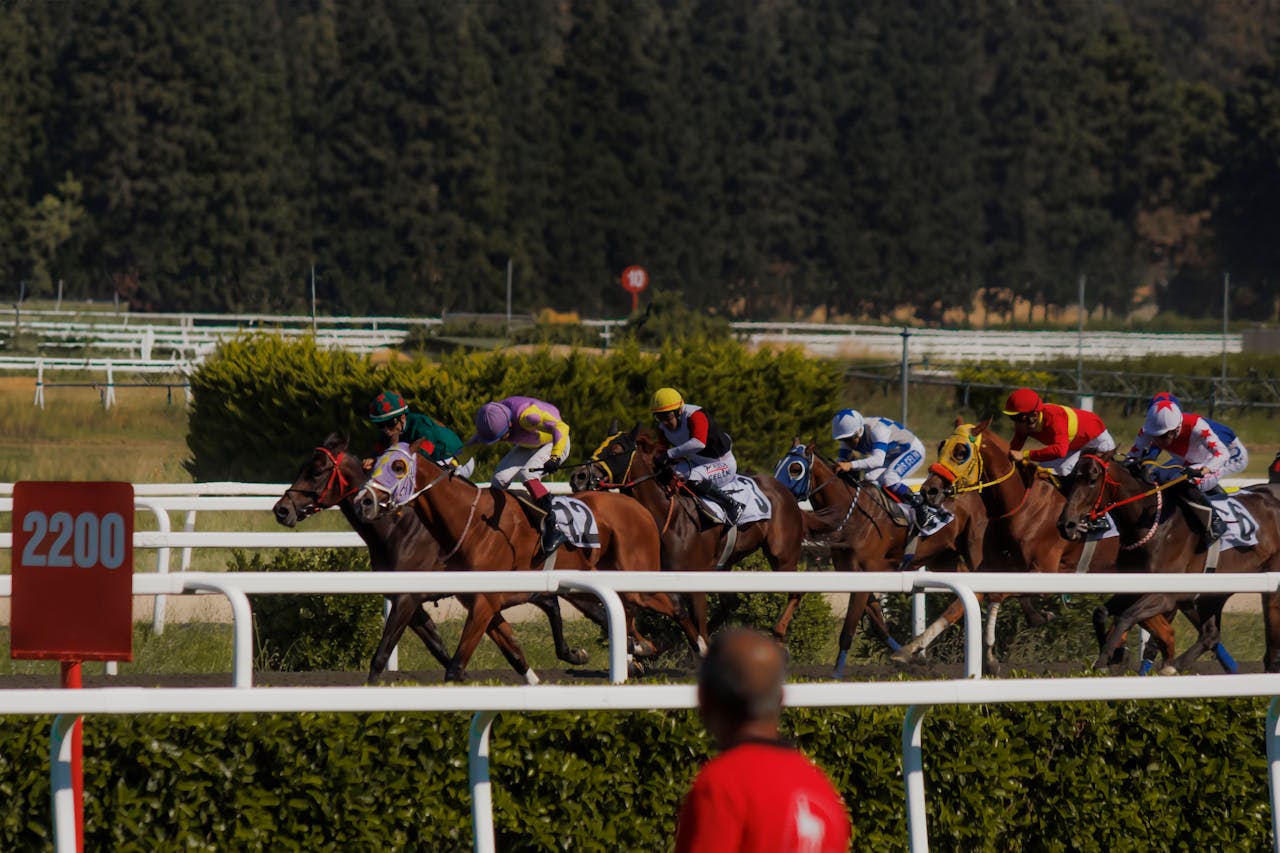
(576, 521)
(746, 491)
(904, 515)
(1242, 528)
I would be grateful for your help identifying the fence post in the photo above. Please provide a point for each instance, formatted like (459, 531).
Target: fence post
(39, 399)
(109, 395)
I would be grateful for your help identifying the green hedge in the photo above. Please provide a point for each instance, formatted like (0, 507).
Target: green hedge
(261, 403)
(1187, 775)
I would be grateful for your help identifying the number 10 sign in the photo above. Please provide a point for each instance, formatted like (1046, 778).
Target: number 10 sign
(72, 571)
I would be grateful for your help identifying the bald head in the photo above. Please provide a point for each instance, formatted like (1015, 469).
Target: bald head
(740, 685)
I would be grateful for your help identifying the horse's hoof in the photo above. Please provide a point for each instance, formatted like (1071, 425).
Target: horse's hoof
(902, 655)
(1120, 657)
(577, 657)
(1168, 670)
(1101, 662)
(635, 669)
(453, 675)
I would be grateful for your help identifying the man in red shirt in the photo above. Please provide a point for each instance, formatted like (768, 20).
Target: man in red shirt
(759, 794)
(1065, 432)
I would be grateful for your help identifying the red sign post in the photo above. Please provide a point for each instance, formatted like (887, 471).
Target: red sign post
(634, 280)
(72, 584)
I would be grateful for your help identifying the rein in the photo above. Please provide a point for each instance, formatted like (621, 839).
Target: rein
(1098, 510)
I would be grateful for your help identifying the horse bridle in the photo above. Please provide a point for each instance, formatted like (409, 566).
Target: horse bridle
(335, 473)
(959, 480)
(1099, 510)
(614, 481)
(443, 473)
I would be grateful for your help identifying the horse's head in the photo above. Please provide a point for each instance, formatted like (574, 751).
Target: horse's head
(959, 464)
(392, 483)
(610, 465)
(794, 469)
(324, 480)
(1085, 489)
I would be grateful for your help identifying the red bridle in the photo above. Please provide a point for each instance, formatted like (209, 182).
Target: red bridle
(335, 475)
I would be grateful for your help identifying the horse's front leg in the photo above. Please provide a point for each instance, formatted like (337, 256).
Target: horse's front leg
(1146, 606)
(480, 612)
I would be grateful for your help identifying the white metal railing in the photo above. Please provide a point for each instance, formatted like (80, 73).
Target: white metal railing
(488, 701)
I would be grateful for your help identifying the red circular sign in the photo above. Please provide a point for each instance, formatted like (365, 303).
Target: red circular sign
(635, 279)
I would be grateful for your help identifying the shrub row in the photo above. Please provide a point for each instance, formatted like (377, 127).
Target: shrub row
(1189, 775)
(260, 403)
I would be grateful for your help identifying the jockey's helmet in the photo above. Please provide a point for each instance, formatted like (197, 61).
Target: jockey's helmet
(1024, 401)
(493, 420)
(1163, 397)
(1162, 418)
(846, 424)
(665, 400)
(386, 406)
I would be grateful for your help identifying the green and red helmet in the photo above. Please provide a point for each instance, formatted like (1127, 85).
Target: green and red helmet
(386, 406)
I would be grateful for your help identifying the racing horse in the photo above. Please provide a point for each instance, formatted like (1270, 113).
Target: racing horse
(331, 477)
(486, 529)
(1160, 535)
(858, 525)
(1022, 524)
(626, 461)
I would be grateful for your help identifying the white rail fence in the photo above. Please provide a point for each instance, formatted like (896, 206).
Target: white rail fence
(487, 702)
(191, 337)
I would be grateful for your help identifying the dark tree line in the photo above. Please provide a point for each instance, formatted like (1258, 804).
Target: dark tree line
(764, 159)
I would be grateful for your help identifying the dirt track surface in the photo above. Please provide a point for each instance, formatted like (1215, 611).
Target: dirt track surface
(583, 675)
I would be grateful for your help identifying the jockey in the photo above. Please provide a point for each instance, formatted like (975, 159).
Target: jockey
(1196, 445)
(889, 452)
(696, 448)
(1064, 431)
(541, 439)
(397, 423)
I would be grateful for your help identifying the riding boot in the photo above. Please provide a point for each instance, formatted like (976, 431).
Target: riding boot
(552, 538)
(924, 512)
(705, 488)
(1211, 524)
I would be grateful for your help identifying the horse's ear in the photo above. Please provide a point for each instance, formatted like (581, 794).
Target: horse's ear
(336, 442)
(614, 427)
(982, 425)
(959, 420)
(635, 430)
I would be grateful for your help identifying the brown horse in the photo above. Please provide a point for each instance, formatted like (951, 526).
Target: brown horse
(486, 529)
(1022, 521)
(331, 477)
(691, 541)
(1155, 526)
(857, 523)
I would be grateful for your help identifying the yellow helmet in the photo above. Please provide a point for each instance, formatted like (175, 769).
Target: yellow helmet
(666, 400)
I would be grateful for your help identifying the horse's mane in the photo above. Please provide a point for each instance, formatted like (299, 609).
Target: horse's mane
(646, 443)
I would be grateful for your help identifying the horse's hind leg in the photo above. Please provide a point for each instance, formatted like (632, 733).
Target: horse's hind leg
(550, 605)
(862, 604)
(953, 614)
(1147, 605)
(671, 607)
(402, 614)
(1271, 622)
(499, 630)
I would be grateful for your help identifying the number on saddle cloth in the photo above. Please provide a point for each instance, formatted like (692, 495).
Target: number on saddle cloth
(1242, 528)
(576, 521)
